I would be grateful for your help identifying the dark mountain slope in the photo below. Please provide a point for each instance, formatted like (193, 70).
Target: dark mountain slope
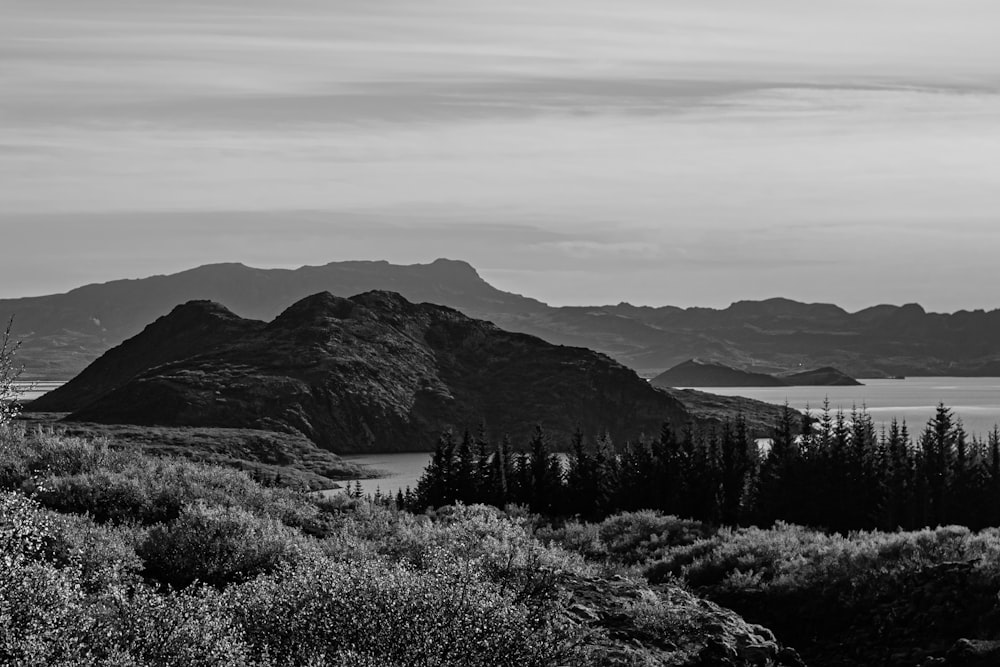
(378, 373)
(190, 329)
(62, 333)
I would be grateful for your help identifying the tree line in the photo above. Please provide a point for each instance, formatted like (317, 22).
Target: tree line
(834, 470)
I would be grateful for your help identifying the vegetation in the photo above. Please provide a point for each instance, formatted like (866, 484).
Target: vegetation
(835, 472)
(111, 556)
(270, 457)
(867, 597)
(10, 371)
(114, 557)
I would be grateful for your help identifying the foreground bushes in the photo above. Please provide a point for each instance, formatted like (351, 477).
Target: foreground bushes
(74, 475)
(236, 574)
(114, 558)
(863, 598)
(445, 614)
(218, 546)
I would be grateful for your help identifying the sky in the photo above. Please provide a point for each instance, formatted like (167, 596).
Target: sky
(576, 151)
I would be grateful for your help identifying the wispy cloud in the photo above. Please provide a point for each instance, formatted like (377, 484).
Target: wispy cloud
(717, 138)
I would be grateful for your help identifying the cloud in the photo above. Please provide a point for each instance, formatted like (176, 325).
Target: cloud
(510, 134)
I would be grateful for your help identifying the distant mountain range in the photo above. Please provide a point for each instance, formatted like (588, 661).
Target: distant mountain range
(62, 333)
(697, 373)
(370, 373)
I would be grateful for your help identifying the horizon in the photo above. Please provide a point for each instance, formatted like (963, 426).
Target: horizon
(580, 152)
(493, 284)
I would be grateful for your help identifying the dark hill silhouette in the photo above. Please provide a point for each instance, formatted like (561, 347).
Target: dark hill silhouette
(370, 373)
(62, 333)
(697, 373)
(820, 377)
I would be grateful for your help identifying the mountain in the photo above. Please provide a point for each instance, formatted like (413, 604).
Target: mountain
(697, 373)
(820, 377)
(62, 333)
(371, 373)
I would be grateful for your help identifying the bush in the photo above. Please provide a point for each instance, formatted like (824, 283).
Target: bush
(9, 373)
(218, 546)
(627, 538)
(44, 616)
(83, 477)
(378, 612)
(139, 626)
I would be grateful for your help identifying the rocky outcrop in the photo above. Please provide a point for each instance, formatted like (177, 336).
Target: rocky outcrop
(370, 373)
(635, 624)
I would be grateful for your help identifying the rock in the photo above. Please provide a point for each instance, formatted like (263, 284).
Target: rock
(632, 623)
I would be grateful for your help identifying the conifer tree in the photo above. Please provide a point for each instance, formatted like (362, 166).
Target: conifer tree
(735, 467)
(436, 485)
(465, 484)
(778, 485)
(937, 444)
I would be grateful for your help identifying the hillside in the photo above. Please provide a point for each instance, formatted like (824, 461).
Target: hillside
(370, 373)
(62, 333)
(820, 377)
(697, 373)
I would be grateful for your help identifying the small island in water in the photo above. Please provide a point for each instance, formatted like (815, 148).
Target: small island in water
(699, 373)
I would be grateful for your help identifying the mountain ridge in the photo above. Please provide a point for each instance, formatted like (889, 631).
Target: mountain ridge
(371, 373)
(62, 333)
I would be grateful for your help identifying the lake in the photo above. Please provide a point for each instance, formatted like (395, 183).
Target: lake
(33, 390)
(975, 400)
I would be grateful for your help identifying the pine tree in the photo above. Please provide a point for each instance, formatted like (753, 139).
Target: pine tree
(465, 485)
(436, 486)
(543, 482)
(937, 444)
(778, 485)
(735, 466)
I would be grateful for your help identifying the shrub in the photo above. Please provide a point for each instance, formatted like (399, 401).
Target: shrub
(138, 626)
(9, 373)
(125, 486)
(43, 615)
(218, 546)
(378, 612)
(627, 538)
